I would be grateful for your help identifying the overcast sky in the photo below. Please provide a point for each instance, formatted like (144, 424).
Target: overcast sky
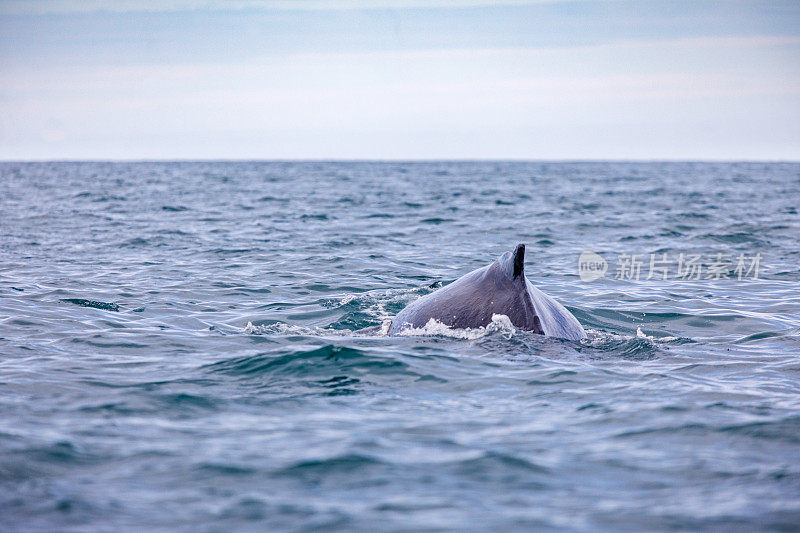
(399, 79)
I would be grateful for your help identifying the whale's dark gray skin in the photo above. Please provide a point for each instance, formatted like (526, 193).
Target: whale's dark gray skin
(500, 288)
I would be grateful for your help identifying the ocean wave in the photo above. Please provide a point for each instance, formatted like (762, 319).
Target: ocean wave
(365, 309)
(331, 361)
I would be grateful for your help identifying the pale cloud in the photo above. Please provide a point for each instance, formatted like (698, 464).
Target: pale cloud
(537, 61)
(39, 7)
(562, 102)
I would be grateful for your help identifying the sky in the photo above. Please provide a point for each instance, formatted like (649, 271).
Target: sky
(399, 79)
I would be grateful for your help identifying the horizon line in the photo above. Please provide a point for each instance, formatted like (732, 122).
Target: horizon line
(399, 160)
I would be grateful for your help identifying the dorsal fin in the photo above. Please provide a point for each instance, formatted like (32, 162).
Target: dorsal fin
(519, 260)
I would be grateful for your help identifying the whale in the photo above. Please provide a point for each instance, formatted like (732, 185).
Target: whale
(500, 288)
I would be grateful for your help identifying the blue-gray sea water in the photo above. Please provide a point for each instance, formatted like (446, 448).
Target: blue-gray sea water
(179, 348)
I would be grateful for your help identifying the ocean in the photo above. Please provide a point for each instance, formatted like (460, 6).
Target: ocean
(180, 347)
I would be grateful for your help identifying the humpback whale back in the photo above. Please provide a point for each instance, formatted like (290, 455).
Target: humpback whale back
(499, 288)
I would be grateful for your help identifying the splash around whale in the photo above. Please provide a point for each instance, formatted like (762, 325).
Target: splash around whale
(499, 288)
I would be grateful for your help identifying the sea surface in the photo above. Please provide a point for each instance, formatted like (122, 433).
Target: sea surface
(179, 348)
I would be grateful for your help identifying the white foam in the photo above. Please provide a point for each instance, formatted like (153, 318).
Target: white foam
(640, 334)
(280, 328)
(499, 324)
(596, 338)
